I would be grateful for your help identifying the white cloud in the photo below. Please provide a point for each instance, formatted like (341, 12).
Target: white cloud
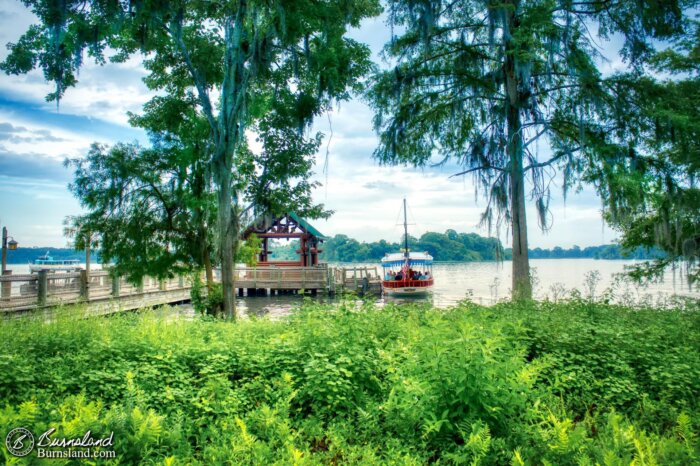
(104, 92)
(57, 142)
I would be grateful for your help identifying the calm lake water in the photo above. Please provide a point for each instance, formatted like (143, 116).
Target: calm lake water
(489, 282)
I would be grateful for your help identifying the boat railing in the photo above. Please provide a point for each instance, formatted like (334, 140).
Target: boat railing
(407, 283)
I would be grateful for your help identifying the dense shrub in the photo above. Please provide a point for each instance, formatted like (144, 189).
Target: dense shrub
(539, 383)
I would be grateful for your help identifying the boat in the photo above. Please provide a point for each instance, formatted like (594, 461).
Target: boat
(407, 273)
(46, 262)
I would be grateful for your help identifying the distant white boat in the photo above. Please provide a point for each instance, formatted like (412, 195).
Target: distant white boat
(46, 262)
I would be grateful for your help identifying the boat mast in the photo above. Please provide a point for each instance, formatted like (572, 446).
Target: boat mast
(405, 230)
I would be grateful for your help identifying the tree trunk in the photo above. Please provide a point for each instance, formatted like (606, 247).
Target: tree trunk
(227, 238)
(87, 253)
(208, 270)
(235, 224)
(522, 286)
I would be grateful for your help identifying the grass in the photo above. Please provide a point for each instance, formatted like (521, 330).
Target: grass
(537, 383)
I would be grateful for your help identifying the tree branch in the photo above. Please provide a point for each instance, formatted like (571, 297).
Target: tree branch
(551, 161)
(483, 167)
(199, 81)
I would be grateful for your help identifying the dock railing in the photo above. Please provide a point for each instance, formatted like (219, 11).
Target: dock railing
(293, 278)
(45, 289)
(357, 279)
(102, 288)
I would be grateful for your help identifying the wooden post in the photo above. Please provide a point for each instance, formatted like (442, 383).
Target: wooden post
(303, 278)
(161, 284)
(139, 288)
(84, 285)
(354, 275)
(180, 281)
(255, 277)
(42, 287)
(87, 252)
(116, 282)
(6, 288)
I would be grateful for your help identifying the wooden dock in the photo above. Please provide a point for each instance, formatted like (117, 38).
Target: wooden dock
(104, 293)
(360, 280)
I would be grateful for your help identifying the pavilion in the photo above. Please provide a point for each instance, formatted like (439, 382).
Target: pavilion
(286, 226)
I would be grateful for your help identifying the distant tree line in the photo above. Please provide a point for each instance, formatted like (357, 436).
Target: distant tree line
(606, 251)
(448, 246)
(26, 255)
(453, 246)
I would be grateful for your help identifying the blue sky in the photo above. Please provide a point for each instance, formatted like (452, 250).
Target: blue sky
(35, 138)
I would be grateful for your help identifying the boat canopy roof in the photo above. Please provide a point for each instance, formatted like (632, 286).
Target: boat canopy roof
(414, 258)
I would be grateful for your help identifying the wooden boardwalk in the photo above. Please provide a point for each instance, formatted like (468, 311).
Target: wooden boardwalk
(103, 293)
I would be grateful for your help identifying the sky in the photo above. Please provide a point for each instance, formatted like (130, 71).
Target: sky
(36, 137)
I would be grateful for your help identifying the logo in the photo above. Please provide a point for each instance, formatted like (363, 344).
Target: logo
(19, 442)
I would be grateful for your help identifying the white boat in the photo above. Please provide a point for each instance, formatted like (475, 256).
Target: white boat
(46, 262)
(407, 273)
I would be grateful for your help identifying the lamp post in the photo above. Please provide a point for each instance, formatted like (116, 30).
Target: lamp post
(6, 287)
(11, 244)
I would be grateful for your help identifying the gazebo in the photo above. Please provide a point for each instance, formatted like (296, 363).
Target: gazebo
(286, 226)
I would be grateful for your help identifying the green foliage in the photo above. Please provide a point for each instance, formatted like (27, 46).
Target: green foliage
(649, 179)
(529, 383)
(150, 207)
(206, 300)
(248, 250)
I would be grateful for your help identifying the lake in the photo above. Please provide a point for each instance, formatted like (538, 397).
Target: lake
(489, 282)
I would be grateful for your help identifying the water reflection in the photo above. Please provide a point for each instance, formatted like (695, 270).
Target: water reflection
(424, 299)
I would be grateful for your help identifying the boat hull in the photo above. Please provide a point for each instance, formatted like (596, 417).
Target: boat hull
(409, 291)
(407, 287)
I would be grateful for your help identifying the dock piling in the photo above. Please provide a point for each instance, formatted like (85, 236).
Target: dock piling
(116, 281)
(42, 287)
(84, 285)
(6, 287)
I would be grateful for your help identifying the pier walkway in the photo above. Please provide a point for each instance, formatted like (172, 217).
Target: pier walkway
(105, 294)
